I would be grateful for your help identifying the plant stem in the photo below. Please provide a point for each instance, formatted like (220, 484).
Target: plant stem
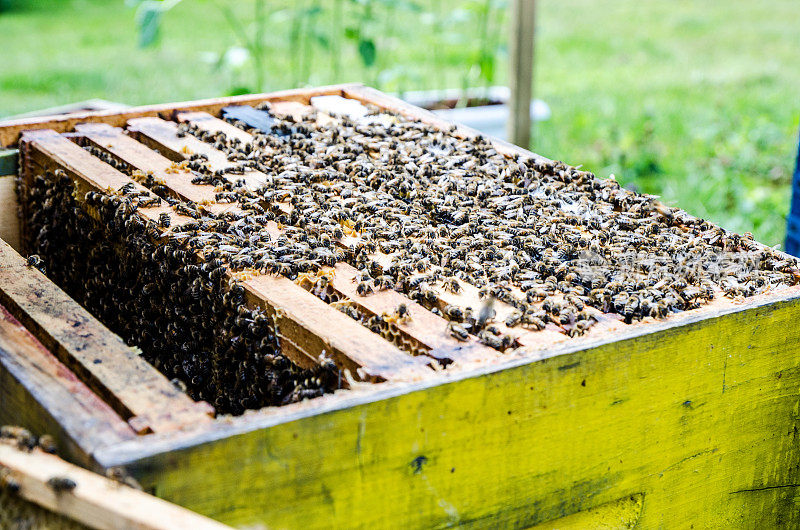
(259, 48)
(336, 40)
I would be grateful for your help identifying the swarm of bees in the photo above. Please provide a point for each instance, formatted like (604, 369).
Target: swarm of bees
(414, 208)
(189, 320)
(425, 211)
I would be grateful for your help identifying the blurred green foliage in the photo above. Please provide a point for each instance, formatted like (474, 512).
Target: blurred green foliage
(694, 101)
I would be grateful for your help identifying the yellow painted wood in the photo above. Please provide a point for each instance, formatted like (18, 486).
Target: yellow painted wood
(617, 515)
(700, 419)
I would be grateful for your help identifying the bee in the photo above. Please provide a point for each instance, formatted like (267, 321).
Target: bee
(364, 288)
(452, 285)
(164, 220)
(384, 282)
(61, 484)
(457, 331)
(454, 313)
(47, 444)
(513, 319)
(127, 188)
(35, 262)
(23, 438)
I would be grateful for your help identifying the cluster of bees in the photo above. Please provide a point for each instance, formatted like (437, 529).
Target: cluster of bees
(427, 212)
(450, 222)
(187, 318)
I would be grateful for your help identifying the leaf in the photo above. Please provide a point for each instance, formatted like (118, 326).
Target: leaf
(352, 33)
(149, 24)
(238, 90)
(367, 51)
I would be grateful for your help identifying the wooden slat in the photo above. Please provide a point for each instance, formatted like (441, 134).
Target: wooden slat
(94, 500)
(11, 130)
(425, 329)
(308, 327)
(123, 147)
(313, 326)
(520, 71)
(163, 136)
(38, 392)
(209, 123)
(112, 369)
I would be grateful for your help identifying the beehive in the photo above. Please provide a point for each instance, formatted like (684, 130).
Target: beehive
(622, 417)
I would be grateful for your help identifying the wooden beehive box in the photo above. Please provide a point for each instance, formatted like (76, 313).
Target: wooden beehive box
(688, 420)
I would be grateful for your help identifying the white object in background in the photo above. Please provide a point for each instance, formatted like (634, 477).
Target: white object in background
(488, 119)
(339, 106)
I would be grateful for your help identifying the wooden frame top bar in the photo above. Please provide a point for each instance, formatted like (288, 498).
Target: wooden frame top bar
(11, 130)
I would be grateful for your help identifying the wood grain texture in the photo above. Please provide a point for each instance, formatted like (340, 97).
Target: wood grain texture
(11, 130)
(700, 418)
(41, 394)
(95, 500)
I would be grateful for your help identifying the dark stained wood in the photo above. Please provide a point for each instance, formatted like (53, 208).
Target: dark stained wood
(41, 394)
(256, 119)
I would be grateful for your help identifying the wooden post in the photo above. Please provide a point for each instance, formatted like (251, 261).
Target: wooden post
(520, 74)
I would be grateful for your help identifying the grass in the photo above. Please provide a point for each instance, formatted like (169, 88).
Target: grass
(693, 101)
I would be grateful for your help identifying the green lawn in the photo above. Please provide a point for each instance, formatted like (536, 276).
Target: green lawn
(695, 101)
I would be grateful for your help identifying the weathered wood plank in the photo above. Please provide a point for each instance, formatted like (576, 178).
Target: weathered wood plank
(422, 328)
(313, 326)
(699, 418)
(11, 130)
(41, 394)
(94, 500)
(132, 387)
(307, 326)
